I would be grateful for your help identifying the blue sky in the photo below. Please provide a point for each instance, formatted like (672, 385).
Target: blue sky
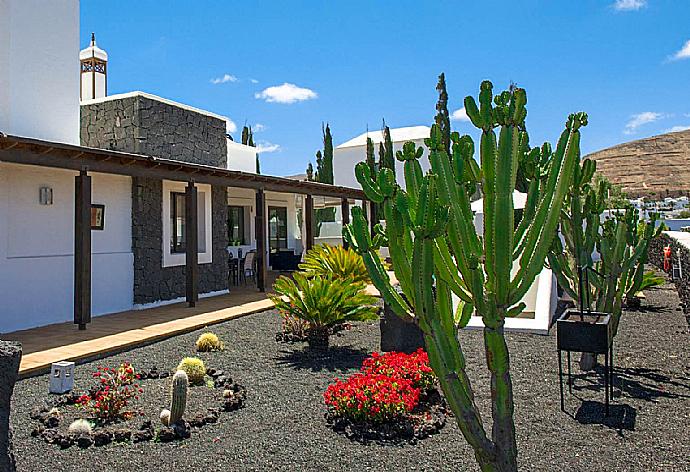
(354, 63)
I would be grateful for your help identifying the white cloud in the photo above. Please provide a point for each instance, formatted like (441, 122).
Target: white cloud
(265, 147)
(683, 53)
(258, 128)
(286, 93)
(629, 5)
(254, 81)
(640, 119)
(224, 79)
(677, 128)
(460, 115)
(230, 126)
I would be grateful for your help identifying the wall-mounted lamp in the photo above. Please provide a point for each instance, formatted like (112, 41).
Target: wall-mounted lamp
(45, 196)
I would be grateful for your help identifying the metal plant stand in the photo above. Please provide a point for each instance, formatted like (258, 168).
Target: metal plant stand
(585, 331)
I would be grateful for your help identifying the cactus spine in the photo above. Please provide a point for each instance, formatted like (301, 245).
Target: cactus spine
(178, 399)
(438, 253)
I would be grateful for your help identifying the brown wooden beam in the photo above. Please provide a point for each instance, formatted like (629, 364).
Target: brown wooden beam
(309, 222)
(345, 210)
(191, 237)
(135, 165)
(82, 249)
(260, 230)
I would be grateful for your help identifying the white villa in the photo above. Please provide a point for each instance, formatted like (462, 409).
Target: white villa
(113, 202)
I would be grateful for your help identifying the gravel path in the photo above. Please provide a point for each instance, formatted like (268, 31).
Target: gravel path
(282, 426)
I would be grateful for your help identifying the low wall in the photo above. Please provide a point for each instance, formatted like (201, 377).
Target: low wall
(656, 257)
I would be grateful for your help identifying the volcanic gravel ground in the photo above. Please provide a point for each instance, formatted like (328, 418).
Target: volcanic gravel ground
(282, 426)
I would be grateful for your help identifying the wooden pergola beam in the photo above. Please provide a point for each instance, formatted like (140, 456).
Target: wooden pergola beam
(260, 229)
(42, 153)
(191, 236)
(82, 249)
(309, 222)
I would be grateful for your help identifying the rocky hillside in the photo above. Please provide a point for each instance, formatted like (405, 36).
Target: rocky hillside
(656, 166)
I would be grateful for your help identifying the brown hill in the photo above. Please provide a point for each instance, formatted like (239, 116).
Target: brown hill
(654, 167)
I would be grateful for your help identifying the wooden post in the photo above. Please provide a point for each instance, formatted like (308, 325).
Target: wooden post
(260, 230)
(82, 249)
(191, 237)
(309, 221)
(345, 210)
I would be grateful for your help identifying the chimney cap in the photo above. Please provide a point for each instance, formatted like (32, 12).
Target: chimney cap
(93, 51)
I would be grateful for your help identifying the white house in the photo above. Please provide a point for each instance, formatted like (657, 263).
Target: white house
(109, 204)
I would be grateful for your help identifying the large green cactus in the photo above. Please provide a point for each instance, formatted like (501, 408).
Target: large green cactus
(436, 252)
(178, 399)
(621, 242)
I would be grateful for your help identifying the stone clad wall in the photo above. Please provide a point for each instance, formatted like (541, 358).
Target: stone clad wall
(143, 125)
(10, 357)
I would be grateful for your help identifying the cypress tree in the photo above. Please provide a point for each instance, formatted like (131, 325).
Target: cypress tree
(327, 178)
(442, 117)
(371, 162)
(310, 172)
(389, 155)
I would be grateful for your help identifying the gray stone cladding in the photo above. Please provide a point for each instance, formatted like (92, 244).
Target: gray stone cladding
(146, 126)
(143, 125)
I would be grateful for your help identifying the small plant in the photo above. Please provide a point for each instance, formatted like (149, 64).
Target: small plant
(178, 399)
(371, 397)
(336, 262)
(387, 387)
(80, 427)
(322, 302)
(116, 387)
(194, 368)
(209, 342)
(414, 367)
(294, 326)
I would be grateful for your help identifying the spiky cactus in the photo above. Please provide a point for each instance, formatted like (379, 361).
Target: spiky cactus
(438, 255)
(178, 399)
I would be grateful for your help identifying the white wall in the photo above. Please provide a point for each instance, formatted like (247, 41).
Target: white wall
(345, 159)
(241, 157)
(39, 69)
(37, 247)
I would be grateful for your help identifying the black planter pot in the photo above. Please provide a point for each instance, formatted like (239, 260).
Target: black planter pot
(399, 335)
(584, 331)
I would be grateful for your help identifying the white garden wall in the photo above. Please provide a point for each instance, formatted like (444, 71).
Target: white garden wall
(37, 247)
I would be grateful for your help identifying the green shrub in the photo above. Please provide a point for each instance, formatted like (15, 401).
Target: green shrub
(194, 368)
(208, 342)
(323, 301)
(336, 262)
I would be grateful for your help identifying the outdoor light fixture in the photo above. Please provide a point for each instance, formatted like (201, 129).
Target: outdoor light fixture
(45, 196)
(61, 377)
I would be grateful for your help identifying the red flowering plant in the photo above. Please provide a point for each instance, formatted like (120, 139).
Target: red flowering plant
(116, 387)
(414, 367)
(387, 387)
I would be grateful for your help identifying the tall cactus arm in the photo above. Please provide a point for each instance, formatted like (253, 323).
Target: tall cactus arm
(448, 271)
(357, 234)
(541, 233)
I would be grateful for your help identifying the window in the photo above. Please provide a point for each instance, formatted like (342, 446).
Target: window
(236, 235)
(277, 228)
(177, 222)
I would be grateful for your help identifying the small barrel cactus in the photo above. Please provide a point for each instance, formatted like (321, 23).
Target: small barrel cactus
(80, 427)
(178, 399)
(194, 368)
(209, 342)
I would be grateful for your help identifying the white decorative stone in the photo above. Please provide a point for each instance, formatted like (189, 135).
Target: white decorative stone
(61, 377)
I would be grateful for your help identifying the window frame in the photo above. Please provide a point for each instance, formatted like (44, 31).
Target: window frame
(177, 242)
(278, 239)
(240, 226)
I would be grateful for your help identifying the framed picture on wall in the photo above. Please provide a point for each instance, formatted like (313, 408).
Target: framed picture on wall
(97, 217)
